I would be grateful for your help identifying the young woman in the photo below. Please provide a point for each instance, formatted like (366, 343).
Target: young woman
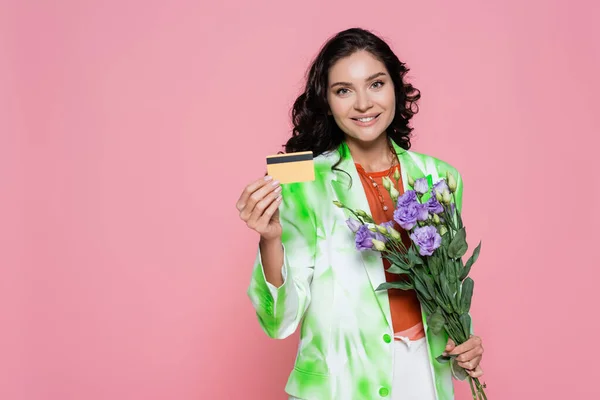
(356, 342)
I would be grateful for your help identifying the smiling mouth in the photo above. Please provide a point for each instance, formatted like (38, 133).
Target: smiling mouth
(367, 119)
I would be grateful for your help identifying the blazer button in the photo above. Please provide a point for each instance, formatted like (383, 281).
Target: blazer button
(383, 392)
(387, 338)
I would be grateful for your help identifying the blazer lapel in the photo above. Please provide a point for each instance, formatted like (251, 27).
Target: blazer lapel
(355, 198)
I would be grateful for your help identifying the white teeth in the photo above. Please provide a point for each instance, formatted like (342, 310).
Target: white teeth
(366, 119)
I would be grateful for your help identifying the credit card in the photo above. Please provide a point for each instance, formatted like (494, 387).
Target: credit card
(292, 167)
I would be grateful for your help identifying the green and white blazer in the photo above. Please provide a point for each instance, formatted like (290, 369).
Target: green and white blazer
(345, 351)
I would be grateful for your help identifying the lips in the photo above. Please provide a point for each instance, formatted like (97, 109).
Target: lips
(366, 120)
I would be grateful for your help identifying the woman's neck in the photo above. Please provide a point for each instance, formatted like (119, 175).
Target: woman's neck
(373, 156)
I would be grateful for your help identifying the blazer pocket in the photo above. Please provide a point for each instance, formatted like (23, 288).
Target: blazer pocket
(313, 373)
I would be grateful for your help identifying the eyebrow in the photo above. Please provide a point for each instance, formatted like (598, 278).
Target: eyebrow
(370, 78)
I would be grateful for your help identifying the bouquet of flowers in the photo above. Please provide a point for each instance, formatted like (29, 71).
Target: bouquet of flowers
(432, 265)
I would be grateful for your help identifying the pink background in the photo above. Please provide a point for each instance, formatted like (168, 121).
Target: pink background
(128, 129)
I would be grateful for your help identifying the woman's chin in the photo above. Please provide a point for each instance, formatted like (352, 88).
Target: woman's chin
(365, 136)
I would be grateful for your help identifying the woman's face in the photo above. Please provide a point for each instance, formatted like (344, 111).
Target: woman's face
(361, 96)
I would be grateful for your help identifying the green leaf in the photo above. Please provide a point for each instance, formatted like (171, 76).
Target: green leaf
(445, 240)
(470, 262)
(429, 283)
(436, 322)
(394, 269)
(458, 246)
(445, 284)
(395, 285)
(434, 264)
(459, 372)
(441, 302)
(420, 287)
(467, 293)
(442, 359)
(465, 322)
(454, 301)
(452, 275)
(394, 258)
(427, 305)
(413, 257)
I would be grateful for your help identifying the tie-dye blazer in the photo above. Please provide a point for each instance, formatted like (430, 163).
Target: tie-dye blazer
(345, 352)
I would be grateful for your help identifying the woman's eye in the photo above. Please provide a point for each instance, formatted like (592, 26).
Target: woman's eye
(342, 91)
(377, 84)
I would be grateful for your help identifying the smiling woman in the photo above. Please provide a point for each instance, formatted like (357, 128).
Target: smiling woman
(362, 102)
(356, 75)
(356, 342)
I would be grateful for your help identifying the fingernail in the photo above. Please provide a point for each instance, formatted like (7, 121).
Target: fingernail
(275, 183)
(278, 189)
(268, 178)
(279, 198)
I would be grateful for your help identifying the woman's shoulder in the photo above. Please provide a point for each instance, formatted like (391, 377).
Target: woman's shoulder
(428, 161)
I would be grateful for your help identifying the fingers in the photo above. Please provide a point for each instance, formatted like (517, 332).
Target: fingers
(451, 345)
(251, 189)
(254, 194)
(470, 355)
(264, 210)
(473, 342)
(476, 373)
(471, 364)
(263, 221)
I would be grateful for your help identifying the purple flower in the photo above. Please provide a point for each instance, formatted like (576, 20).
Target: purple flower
(363, 238)
(388, 225)
(440, 187)
(427, 238)
(434, 206)
(407, 198)
(421, 186)
(407, 215)
(353, 224)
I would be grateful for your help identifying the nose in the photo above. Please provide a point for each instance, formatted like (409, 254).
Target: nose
(363, 102)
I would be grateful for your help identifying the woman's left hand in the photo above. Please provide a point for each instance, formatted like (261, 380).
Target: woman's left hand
(470, 353)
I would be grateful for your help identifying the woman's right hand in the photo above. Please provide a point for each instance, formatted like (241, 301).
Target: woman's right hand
(259, 207)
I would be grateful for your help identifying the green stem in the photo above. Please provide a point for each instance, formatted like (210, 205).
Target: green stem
(480, 389)
(472, 388)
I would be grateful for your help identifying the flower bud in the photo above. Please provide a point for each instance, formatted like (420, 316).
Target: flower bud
(438, 196)
(394, 194)
(394, 233)
(446, 198)
(353, 224)
(338, 204)
(421, 186)
(361, 213)
(443, 230)
(381, 229)
(387, 183)
(411, 181)
(436, 219)
(397, 174)
(378, 245)
(372, 228)
(451, 181)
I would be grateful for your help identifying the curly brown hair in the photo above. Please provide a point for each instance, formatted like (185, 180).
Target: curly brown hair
(315, 130)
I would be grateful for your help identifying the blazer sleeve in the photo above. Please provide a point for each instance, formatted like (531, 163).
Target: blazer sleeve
(280, 310)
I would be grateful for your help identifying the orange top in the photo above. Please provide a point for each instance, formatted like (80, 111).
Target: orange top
(404, 304)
